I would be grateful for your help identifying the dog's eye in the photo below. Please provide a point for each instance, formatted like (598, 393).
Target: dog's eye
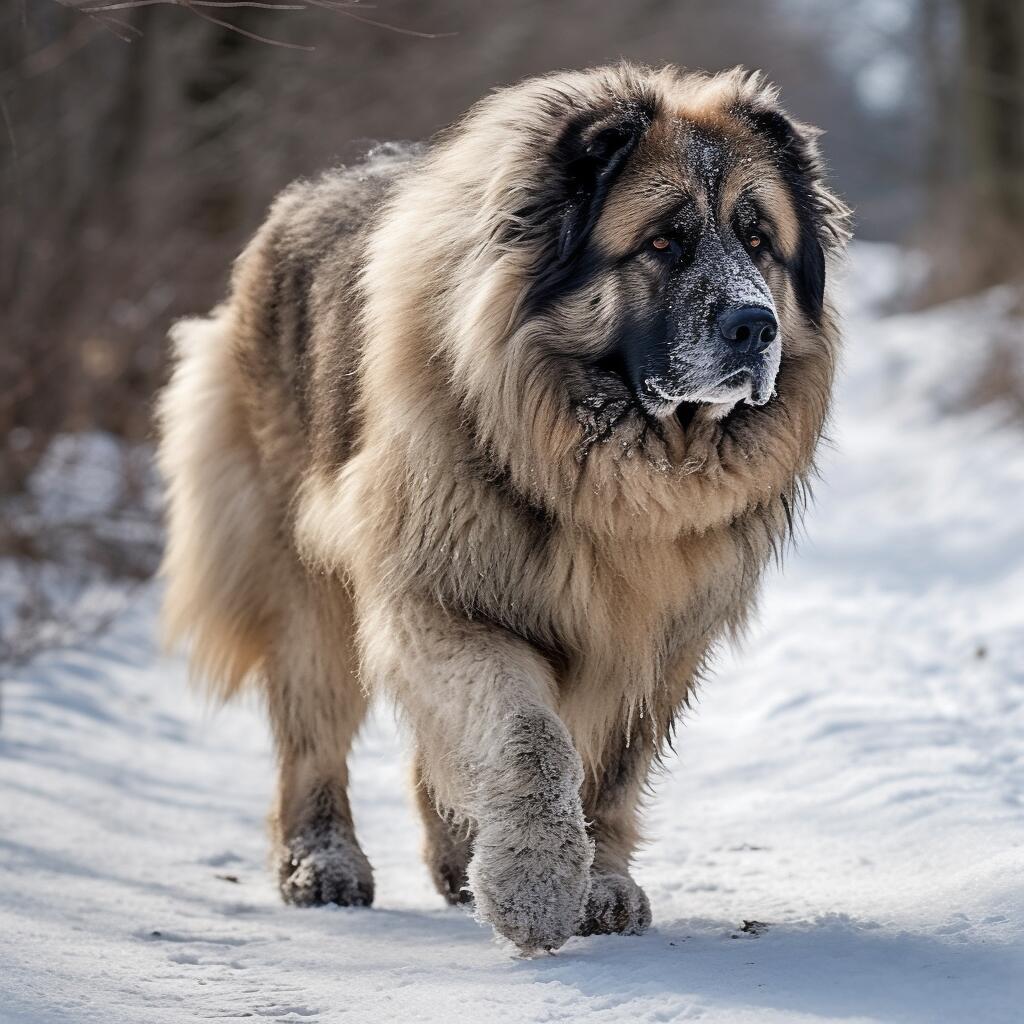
(755, 241)
(662, 245)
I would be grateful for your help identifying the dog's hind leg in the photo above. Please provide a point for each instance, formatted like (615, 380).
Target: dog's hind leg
(252, 613)
(316, 707)
(447, 845)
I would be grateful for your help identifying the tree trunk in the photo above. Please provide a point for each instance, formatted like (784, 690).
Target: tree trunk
(993, 106)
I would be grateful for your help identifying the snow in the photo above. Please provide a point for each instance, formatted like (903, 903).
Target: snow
(853, 779)
(91, 512)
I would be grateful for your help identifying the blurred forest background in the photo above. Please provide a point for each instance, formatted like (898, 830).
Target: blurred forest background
(141, 141)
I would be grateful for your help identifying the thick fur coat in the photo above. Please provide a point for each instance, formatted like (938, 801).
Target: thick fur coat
(469, 432)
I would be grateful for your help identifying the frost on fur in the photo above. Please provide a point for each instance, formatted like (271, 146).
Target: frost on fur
(530, 872)
(616, 905)
(325, 865)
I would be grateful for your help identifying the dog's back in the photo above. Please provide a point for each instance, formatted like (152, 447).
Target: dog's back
(235, 419)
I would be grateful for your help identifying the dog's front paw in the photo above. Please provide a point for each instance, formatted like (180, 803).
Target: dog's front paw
(616, 904)
(320, 866)
(531, 883)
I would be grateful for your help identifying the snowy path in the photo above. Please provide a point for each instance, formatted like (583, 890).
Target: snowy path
(854, 778)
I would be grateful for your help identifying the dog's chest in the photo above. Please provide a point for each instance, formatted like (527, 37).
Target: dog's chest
(640, 603)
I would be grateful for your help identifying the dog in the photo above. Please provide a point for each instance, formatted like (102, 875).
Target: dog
(505, 428)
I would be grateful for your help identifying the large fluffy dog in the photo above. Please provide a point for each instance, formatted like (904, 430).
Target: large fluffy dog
(505, 428)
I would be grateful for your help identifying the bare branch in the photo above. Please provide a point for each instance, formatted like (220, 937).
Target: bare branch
(124, 5)
(100, 11)
(243, 31)
(380, 24)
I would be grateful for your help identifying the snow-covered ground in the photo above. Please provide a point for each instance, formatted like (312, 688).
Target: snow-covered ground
(853, 779)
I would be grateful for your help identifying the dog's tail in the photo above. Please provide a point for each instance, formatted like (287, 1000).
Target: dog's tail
(220, 533)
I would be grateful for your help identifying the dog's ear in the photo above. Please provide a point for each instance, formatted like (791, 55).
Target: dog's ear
(823, 218)
(592, 157)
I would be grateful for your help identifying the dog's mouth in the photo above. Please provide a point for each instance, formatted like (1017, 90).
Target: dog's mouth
(744, 386)
(683, 411)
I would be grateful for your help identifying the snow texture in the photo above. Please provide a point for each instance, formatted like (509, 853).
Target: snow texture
(840, 836)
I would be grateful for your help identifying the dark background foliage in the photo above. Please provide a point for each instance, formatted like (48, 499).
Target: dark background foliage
(141, 144)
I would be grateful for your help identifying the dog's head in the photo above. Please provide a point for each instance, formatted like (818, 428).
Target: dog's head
(683, 225)
(624, 265)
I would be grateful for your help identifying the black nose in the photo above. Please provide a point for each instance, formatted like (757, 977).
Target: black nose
(749, 329)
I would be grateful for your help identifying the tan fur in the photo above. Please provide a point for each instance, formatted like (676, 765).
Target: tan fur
(218, 527)
(378, 469)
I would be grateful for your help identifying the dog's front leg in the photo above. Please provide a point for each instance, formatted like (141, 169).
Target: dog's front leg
(493, 749)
